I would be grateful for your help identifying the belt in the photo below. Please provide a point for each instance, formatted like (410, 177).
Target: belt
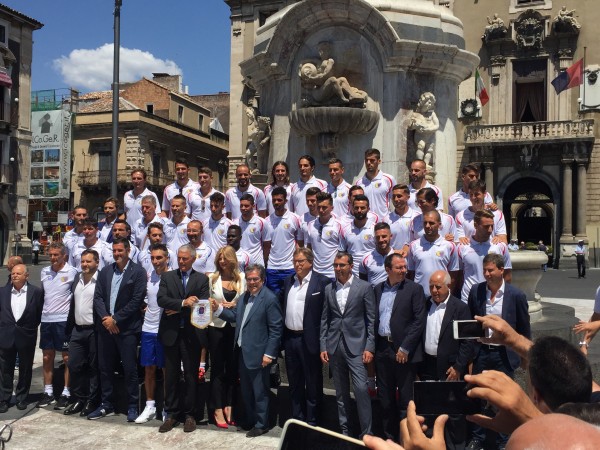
(84, 327)
(294, 332)
(491, 348)
(386, 338)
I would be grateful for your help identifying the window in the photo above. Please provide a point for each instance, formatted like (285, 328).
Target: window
(104, 161)
(517, 6)
(180, 114)
(4, 31)
(200, 121)
(529, 91)
(156, 166)
(150, 108)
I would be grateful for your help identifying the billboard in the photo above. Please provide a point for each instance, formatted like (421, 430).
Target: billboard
(50, 175)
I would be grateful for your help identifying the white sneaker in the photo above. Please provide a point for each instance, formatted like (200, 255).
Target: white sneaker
(147, 414)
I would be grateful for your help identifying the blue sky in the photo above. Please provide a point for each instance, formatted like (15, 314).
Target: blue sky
(190, 36)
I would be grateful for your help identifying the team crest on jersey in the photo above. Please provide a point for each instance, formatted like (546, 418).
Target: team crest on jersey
(286, 225)
(252, 229)
(438, 253)
(341, 194)
(183, 231)
(64, 279)
(368, 237)
(377, 185)
(220, 231)
(328, 233)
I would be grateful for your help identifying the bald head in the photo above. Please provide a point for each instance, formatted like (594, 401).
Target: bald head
(13, 261)
(439, 286)
(19, 275)
(554, 432)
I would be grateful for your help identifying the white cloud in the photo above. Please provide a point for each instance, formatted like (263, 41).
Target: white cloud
(93, 68)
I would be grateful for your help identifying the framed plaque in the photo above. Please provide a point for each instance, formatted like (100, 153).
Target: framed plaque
(201, 314)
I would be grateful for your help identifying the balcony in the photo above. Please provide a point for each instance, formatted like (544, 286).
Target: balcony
(529, 133)
(101, 179)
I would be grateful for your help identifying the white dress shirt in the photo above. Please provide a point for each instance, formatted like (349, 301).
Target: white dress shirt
(341, 293)
(296, 299)
(435, 317)
(494, 307)
(84, 301)
(18, 301)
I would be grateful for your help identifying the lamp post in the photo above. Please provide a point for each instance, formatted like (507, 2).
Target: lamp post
(115, 92)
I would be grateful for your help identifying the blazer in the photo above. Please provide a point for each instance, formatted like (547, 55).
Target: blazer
(130, 298)
(261, 333)
(313, 308)
(355, 325)
(515, 311)
(21, 333)
(408, 319)
(216, 292)
(170, 296)
(451, 352)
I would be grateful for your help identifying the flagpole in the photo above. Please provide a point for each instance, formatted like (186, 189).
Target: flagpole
(583, 71)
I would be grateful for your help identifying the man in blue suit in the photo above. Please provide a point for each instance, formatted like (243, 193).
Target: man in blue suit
(348, 339)
(302, 300)
(257, 338)
(504, 300)
(118, 298)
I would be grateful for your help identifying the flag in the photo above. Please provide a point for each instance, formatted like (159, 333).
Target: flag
(571, 77)
(480, 89)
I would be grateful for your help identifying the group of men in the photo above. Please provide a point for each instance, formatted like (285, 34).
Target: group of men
(334, 275)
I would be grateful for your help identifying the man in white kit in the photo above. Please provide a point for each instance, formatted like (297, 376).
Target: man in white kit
(372, 267)
(306, 167)
(90, 241)
(400, 218)
(199, 200)
(132, 201)
(205, 257)
(175, 229)
(155, 236)
(183, 185)
(418, 172)
(234, 239)
(358, 236)
(376, 184)
(140, 229)
(459, 201)
(215, 228)
(283, 231)
(111, 212)
(234, 195)
(338, 187)
(254, 232)
(324, 236)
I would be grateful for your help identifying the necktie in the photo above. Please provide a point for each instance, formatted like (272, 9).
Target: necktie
(184, 280)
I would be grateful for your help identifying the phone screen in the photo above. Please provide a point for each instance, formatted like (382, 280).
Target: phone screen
(444, 397)
(299, 436)
(470, 329)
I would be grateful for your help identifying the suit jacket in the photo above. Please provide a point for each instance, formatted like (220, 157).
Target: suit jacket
(313, 308)
(130, 298)
(261, 333)
(170, 296)
(451, 352)
(355, 325)
(21, 333)
(408, 319)
(514, 310)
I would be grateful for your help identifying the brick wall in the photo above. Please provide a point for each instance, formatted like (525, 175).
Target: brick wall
(143, 92)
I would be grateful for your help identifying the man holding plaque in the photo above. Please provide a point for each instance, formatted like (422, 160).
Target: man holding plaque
(179, 293)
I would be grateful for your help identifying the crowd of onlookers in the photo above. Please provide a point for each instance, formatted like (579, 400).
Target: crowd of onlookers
(367, 279)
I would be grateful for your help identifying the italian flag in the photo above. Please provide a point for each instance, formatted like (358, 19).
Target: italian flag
(480, 89)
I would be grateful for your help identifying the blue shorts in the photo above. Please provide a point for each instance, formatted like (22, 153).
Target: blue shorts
(152, 352)
(53, 336)
(275, 278)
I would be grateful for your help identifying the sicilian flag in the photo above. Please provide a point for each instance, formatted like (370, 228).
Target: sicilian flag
(571, 77)
(480, 89)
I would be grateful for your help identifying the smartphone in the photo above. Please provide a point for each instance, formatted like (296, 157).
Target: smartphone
(444, 397)
(468, 329)
(298, 435)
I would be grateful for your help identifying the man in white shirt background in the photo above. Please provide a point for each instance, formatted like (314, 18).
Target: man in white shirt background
(234, 195)
(132, 201)
(183, 185)
(418, 181)
(338, 187)
(198, 201)
(376, 184)
(306, 167)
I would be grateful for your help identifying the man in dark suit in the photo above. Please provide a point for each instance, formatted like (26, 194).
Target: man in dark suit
(118, 299)
(445, 358)
(302, 300)
(348, 340)
(21, 306)
(496, 297)
(399, 324)
(258, 338)
(178, 292)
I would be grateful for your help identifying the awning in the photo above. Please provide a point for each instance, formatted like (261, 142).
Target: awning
(5, 80)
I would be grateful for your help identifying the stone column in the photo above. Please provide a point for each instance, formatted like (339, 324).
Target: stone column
(567, 199)
(580, 229)
(489, 177)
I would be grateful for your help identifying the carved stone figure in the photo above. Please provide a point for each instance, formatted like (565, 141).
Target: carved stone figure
(322, 88)
(529, 29)
(259, 137)
(495, 29)
(425, 123)
(565, 21)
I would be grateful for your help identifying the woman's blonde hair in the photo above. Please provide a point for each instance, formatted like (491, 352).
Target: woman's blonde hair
(228, 252)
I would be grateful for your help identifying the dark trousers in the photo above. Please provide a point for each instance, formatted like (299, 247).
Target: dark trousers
(305, 377)
(255, 386)
(83, 364)
(7, 372)
(186, 351)
(111, 346)
(455, 430)
(580, 265)
(223, 372)
(490, 358)
(344, 364)
(391, 377)
(36, 257)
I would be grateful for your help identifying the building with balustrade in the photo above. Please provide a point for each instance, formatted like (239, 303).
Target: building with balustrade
(158, 124)
(16, 45)
(538, 149)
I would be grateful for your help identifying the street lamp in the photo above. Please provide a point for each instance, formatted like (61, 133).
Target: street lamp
(115, 92)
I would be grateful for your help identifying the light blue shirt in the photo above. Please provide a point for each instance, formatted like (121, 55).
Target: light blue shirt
(246, 311)
(115, 284)
(388, 294)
